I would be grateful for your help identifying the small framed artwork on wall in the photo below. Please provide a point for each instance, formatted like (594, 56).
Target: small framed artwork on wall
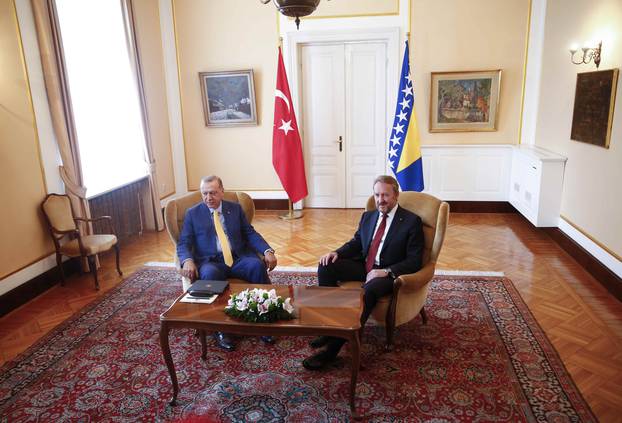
(464, 101)
(594, 101)
(228, 98)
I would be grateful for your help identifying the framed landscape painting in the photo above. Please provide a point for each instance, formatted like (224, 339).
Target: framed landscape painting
(464, 101)
(228, 98)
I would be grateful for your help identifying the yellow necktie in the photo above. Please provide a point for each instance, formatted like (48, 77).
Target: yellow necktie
(224, 241)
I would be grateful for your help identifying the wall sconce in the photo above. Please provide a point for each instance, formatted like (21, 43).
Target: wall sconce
(294, 8)
(589, 54)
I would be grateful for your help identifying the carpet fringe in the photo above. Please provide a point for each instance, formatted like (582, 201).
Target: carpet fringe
(160, 264)
(438, 272)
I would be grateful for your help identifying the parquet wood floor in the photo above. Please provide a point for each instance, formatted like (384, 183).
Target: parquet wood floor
(582, 320)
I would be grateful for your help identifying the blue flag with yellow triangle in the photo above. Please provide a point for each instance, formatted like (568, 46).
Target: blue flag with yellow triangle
(405, 146)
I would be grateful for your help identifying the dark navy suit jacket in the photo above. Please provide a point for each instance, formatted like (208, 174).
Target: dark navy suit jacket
(402, 249)
(198, 235)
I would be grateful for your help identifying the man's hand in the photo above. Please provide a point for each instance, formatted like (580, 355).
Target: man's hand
(376, 273)
(331, 257)
(189, 270)
(270, 259)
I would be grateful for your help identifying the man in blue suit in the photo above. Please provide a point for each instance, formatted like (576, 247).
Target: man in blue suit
(202, 253)
(389, 242)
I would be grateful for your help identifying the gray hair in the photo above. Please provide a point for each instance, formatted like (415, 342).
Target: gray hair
(211, 178)
(387, 179)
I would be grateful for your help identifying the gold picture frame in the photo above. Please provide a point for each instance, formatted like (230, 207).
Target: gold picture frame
(594, 102)
(464, 101)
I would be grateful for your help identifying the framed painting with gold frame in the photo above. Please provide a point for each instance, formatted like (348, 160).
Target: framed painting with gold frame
(465, 101)
(594, 101)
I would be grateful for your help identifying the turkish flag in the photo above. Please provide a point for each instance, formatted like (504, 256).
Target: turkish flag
(286, 145)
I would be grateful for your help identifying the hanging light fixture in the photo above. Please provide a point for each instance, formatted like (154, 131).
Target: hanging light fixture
(294, 8)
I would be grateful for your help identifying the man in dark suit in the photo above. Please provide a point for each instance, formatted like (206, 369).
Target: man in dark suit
(217, 242)
(388, 243)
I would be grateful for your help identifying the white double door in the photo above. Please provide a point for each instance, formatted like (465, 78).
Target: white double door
(344, 121)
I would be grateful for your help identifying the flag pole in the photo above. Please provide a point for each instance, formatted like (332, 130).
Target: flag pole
(292, 214)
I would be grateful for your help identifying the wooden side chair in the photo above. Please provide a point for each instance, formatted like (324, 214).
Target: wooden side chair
(410, 291)
(69, 241)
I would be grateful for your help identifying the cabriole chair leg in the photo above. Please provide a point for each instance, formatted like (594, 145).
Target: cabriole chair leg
(59, 263)
(116, 250)
(93, 266)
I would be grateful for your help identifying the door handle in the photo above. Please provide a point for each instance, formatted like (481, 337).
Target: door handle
(340, 142)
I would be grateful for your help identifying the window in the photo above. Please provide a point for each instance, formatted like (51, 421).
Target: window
(103, 91)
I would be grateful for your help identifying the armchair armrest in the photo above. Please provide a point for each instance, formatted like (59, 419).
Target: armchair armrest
(414, 281)
(93, 219)
(96, 219)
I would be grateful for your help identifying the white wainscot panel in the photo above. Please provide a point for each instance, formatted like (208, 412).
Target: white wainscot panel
(454, 174)
(492, 175)
(467, 172)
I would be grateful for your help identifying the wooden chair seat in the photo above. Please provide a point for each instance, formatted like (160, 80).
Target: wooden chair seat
(92, 244)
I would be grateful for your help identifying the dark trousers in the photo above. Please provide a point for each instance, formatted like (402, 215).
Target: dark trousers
(352, 270)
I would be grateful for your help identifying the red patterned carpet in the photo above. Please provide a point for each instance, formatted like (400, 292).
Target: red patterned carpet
(481, 357)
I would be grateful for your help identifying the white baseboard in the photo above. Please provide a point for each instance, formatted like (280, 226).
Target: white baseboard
(27, 273)
(591, 247)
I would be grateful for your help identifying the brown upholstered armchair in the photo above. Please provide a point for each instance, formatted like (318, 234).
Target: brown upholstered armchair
(410, 291)
(175, 211)
(69, 241)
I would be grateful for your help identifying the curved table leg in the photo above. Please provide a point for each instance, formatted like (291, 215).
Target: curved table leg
(355, 351)
(166, 351)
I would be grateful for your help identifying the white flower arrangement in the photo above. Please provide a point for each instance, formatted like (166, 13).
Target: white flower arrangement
(259, 306)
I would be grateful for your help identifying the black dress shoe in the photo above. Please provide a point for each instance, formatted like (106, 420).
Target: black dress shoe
(320, 341)
(224, 341)
(268, 340)
(319, 360)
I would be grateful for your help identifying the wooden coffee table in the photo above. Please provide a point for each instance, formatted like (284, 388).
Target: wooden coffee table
(319, 311)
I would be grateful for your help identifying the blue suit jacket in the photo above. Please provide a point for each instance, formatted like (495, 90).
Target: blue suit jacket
(197, 239)
(402, 249)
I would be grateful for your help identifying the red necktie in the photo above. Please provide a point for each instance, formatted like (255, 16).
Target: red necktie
(373, 248)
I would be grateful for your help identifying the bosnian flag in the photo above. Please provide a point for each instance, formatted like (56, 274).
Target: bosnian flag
(404, 146)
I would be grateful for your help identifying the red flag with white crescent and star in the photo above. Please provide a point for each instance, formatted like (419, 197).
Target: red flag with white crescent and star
(286, 145)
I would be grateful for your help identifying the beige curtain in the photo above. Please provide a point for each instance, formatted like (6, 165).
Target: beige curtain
(60, 105)
(138, 72)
